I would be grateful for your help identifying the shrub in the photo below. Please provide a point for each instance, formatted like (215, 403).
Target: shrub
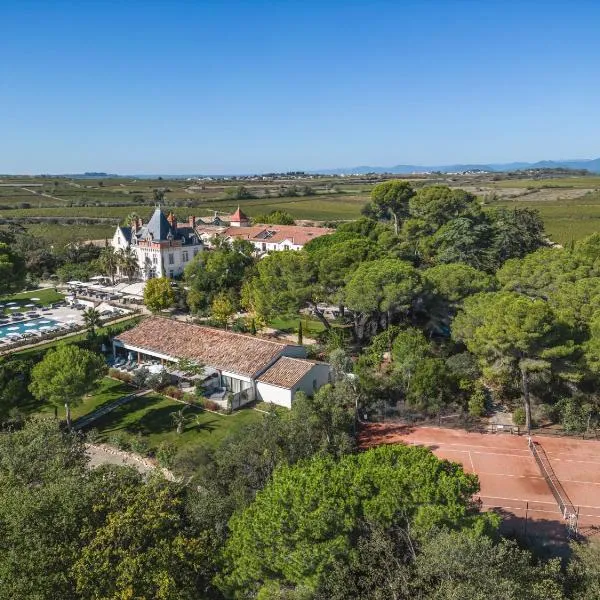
(92, 436)
(209, 404)
(119, 441)
(139, 444)
(166, 453)
(518, 416)
(140, 377)
(189, 398)
(173, 391)
(477, 403)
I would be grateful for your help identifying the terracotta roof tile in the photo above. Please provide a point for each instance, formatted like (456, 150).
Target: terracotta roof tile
(297, 234)
(286, 372)
(224, 350)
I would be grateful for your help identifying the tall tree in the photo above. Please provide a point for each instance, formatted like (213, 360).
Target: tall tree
(91, 320)
(284, 283)
(310, 513)
(158, 294)
(12, 269)
(390, 200)
(127, 262)
(109, 262)
(64, 375)
(513, 333)
(380, 290)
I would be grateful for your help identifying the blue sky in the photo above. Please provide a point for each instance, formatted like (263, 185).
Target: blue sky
(237, 87)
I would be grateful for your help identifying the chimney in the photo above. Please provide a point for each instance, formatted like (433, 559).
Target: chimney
(192, 221)
(172, 220)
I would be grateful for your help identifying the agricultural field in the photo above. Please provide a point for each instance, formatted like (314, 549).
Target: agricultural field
(64, 210)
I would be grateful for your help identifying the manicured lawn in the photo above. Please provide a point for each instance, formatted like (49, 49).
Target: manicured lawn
(45, 296)
(310, 327)
(150, 416)
(108, 390)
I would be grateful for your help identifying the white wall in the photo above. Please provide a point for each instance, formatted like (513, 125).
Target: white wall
(274, 394)
(316, 378)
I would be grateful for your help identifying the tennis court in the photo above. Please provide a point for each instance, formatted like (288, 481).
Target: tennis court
(511, 480)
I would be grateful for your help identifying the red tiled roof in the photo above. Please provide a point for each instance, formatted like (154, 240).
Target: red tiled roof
(297, 234)
(286, 372)
(224, 350)
(238, 216)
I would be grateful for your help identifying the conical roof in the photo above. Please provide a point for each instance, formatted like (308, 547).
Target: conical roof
(238, 216)
(158, 226)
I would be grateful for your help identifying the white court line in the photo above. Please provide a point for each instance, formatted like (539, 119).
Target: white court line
(510, 475)
(466, 445)
(529, 510)
(472, 465)
(570, 460)
(526, 451)
(520, 500)
(583, 482)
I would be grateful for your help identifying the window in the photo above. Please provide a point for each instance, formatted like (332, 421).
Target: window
(155, 259)
(195, 251)
(286, 247)
(185, 256)
(264, 247)
(171, 258)
(315, 385)
(171, 273)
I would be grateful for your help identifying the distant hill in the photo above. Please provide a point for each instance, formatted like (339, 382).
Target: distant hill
(592, 165)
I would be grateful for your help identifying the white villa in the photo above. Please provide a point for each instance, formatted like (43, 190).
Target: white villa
(163, 246)
(265, 238)
(249, 367)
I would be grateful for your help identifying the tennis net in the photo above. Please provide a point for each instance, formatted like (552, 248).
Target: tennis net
(566, 507)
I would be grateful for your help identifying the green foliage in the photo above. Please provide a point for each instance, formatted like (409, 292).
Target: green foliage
(308, 514)
(390, 200)
(158, 294)
(222, 309)
(219, 271)
(515, 333)
(275, 217)
(518, 416)
(477, 402)
(65, 374)
(12, 270)
(238, 192)
(438, 204)
(383, 285)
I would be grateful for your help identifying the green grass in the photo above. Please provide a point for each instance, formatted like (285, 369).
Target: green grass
(310, 327)
(46, 296)
(150, 416)
(108, 390)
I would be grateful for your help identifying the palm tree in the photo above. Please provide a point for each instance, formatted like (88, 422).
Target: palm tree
(91, 319)
(179, 419)
(128, 262)
(109, 262)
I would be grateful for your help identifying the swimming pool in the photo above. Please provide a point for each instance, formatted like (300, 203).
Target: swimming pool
(23, 326)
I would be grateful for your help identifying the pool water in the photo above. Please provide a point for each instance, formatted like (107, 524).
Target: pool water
(23, 326)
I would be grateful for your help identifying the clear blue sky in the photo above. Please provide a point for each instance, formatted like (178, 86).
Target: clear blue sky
(236, 87)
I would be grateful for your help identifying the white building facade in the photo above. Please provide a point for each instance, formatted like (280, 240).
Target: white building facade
(162, 246)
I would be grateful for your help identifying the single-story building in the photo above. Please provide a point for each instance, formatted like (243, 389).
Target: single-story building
(249, 367)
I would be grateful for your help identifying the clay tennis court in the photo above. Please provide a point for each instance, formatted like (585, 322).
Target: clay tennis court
(510, 478)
